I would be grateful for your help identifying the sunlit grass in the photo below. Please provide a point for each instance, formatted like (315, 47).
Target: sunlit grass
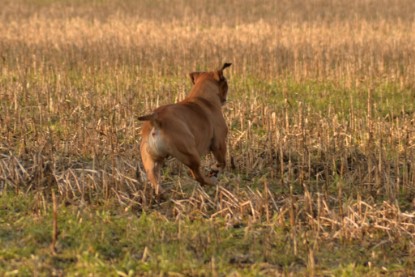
(321, 118)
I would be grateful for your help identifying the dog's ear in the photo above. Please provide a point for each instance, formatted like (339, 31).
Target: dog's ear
(219, 74)
(193, 76)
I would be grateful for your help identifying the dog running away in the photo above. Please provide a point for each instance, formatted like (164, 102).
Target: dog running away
(188, 129)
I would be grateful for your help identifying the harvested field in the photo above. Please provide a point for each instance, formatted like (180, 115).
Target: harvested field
(321, 161)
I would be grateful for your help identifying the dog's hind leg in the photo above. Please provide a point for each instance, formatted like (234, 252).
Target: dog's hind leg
(195, 168)
(153, 174)
(152, 169)
(219, 152)
(190, 157)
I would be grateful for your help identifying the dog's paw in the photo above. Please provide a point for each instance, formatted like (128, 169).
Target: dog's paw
(214, 173)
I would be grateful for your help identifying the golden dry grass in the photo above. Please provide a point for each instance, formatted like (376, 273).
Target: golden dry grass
(321, 109)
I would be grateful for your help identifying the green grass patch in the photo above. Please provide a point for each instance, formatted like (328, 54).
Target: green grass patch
(108, 240)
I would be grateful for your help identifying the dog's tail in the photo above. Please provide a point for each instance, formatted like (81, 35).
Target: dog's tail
(147, 117)
(153, 118)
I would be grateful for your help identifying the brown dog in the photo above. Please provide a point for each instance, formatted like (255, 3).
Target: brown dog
(188, 129)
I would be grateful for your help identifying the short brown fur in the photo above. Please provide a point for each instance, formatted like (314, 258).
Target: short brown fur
(188, 129)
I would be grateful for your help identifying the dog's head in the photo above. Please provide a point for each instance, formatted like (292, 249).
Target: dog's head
(216, 76)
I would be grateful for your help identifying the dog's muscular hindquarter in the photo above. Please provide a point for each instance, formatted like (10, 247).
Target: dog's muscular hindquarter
(188, 129)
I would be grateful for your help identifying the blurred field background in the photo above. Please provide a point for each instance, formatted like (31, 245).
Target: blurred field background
(322, 137)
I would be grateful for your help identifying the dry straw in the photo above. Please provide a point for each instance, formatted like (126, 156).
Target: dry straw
(317, 139)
